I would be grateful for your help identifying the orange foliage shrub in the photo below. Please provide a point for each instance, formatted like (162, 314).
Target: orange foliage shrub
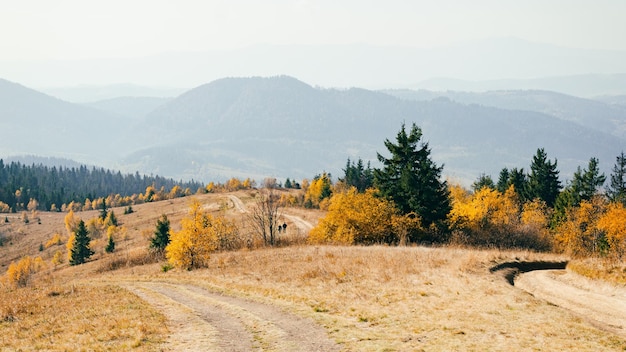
(613, 224)
(493, 219)
(362, 218)
(579, 234)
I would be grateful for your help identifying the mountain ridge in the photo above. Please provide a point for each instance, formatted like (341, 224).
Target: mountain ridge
(282, 127)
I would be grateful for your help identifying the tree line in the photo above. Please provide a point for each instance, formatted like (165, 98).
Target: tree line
(52, 187)
(406, 200)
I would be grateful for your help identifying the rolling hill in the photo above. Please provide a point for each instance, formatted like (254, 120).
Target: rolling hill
(282, 127)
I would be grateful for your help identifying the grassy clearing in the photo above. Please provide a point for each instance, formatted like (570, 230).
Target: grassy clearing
(77, 318)
(399, 298)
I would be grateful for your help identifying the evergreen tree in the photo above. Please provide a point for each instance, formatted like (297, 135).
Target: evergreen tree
(112, 219)
(358, 176)
(617, 188)
(288, 183)
(80, 250)
(503, 180)
(103, 210)
(482, 182)
(586, 182)
(412, 180)
(543, 181)
(110, 247)
(161, 237)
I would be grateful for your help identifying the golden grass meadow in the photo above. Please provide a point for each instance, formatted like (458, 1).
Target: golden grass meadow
(375, 298)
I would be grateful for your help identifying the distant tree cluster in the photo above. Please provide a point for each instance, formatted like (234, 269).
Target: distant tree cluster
(54, 187)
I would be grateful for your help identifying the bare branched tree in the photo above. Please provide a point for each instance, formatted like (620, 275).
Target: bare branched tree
(265, 214)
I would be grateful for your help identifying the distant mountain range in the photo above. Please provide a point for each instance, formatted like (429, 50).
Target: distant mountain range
(283, 127)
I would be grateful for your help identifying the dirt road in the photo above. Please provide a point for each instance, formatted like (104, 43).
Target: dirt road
(603, 305)
(200, 320)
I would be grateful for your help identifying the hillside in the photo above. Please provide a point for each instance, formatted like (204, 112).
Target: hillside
(39, 124)
(131, 107)
(282, 127)
(347, 298)
(606, 117)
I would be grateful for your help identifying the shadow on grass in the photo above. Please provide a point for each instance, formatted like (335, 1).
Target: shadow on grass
(510, 270)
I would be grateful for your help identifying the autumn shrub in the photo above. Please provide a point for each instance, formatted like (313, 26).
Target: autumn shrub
(579, 235)
(613, 224)
(490, 218)
(201, 234)
(363, 218)
(56, 240)
(19, 274)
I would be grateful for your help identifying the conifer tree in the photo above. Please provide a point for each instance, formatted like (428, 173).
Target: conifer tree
(110, 247)
(617, 188)
(543, 181)
(412, 180)
(586, 182)
(103, 210)
(80, 251)
(161, 237)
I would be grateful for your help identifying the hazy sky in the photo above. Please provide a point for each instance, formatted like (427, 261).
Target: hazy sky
(77, 29)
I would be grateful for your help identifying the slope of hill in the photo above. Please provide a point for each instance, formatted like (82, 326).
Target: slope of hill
(43, 125)
(583, 85)
(283, 127)
(593, 114)
(361, 298)
(132, 107)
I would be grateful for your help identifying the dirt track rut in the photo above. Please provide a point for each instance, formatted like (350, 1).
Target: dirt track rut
(200, 320)
(603, 305)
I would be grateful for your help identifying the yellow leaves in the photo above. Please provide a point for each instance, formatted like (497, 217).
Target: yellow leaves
(18, 274)
(201, 234)
(361, 218)
(318, 190)
(579, 233)
(491, 218)
(56, 240)
(70, 244)
(4, 207)
(71, 222)
(487, 207)
(613, 223)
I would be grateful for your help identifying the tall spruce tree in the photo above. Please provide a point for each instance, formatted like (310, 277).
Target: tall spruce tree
(358, 176)
(586, 182)
(161, 237)
(80, 251)
(412, 180)
(616, 191)
(543, 181)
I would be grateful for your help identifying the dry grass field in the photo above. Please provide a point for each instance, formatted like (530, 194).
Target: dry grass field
(364, 298)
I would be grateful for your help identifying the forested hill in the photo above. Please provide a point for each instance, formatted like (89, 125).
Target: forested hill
(56, 186)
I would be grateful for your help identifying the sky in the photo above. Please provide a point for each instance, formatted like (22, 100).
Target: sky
(35, 30)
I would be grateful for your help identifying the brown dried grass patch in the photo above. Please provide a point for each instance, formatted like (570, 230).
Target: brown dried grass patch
(71, 318)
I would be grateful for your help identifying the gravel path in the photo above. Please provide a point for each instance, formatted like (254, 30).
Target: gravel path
(201, 320)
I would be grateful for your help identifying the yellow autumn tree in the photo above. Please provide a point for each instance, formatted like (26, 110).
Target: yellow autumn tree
(490, 218)
(318, 190)
(613, 224)
(71, 222)
(201, 234)
(579, 234)
(19, 274)
(363, 218)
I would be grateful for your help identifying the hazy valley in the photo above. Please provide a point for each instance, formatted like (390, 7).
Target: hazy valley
(282, 127)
